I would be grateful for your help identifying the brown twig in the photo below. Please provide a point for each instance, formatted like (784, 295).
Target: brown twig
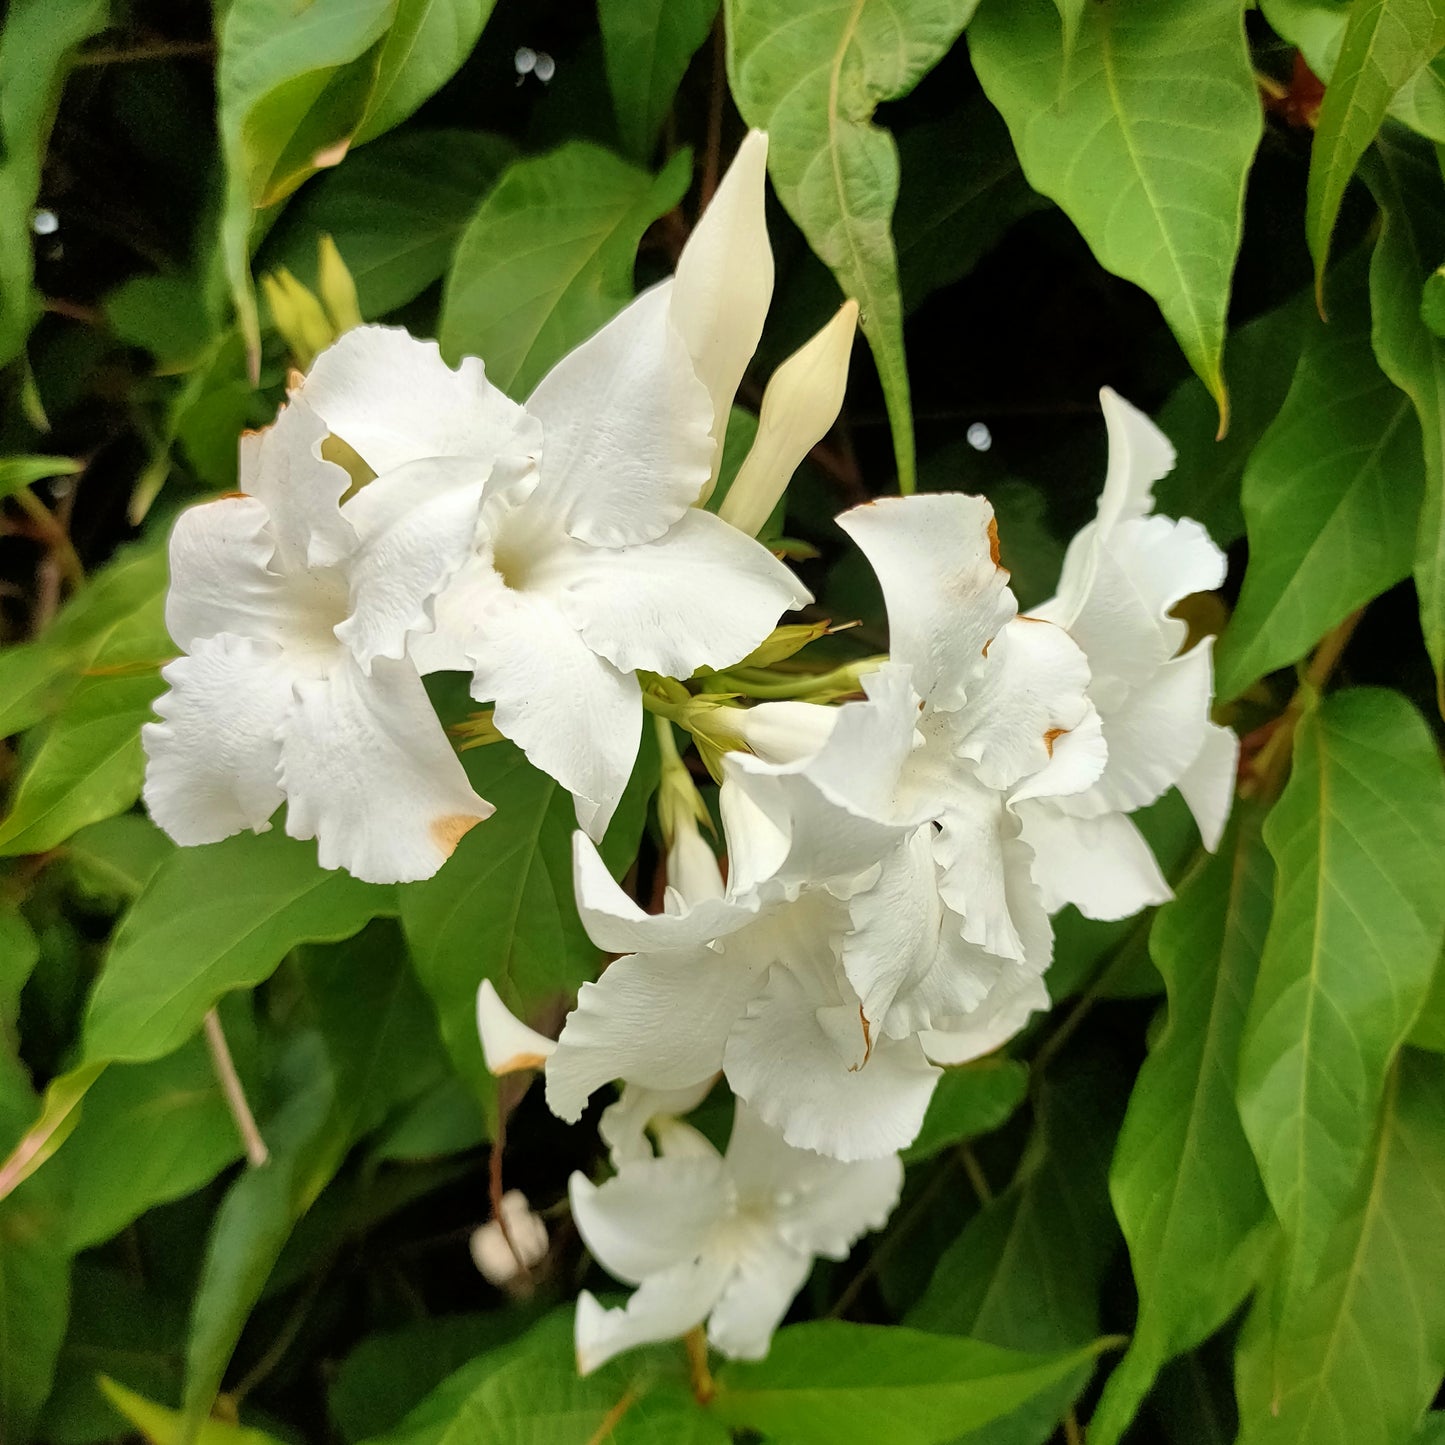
(225, 1066)
(494, 1185)
(158, 50)
(712, 156)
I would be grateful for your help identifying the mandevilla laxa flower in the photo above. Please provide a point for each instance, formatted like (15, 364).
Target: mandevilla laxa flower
(727, 1239)
(552, 550)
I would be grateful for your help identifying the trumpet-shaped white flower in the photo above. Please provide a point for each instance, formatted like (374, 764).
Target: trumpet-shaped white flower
(275, 593)
(1002, 712)
(728, 1239)
(1122, 576)
(586, 560)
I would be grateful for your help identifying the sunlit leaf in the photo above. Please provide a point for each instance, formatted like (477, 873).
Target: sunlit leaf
(813, 79)
(1119, 143)
(1185, 1188)
(1358, 921)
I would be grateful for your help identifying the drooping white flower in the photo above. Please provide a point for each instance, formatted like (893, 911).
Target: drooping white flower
(1123, 574)
(277, 595)
(593, 563)
(728, 1239)
(500, 1254)
(758, 982)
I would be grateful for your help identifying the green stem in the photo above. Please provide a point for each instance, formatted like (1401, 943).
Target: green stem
(767, 686)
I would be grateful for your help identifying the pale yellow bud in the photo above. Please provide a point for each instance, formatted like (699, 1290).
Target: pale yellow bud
(501, 1256)
(338, 290)
(298, 316)
(802, 401)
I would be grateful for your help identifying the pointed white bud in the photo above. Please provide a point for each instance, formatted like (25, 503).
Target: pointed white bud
(508, 1045)
(724, 283)
(802, 401)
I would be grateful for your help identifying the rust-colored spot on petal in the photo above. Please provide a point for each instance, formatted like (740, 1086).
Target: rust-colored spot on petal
(295, 380)
(449, 830)
(1051, 737)
(867, 1040)
(986, 646)
(994, 555)
(231, 496)
(519, 1063)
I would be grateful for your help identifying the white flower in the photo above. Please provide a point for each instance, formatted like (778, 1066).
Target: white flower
(1122, 576)
(276, 594)
(761, 980)
(727, 1239)
(1002, 712)
(593, 563)
(500, 1261)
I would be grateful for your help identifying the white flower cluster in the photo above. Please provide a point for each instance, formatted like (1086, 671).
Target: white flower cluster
(891, 862)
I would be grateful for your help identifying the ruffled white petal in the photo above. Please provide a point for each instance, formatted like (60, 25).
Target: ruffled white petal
(575, 715)
(986, 875)
(368, 773)
(627, 429)
(616, 924)
(656, 1213)
(700, 595)
(1031, 691)
(659, 1020)
(623, 1124)
(937, 559)
(393, 399)
(213, 757)
(724, 282)
(1103, 865)
(1139, 455)
(1208, 783)
(1005, 1011)
(221, 577)
(281, 467)
(416, 527)
(802, 1059)
(666, 1306)
(767, 1273)
(508, 1045)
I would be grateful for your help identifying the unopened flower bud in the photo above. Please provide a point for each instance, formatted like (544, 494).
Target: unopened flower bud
(802, 401)
(338, 290)
(724, 283)
(298, 316)
(499, 1260)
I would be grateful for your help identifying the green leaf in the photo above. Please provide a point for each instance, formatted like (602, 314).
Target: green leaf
(148, 1133)
(548, 258)
(388, 1373)
(425, 47)
(1205, 482)
(1429, 1030)
(835, 1383)
(1185, 1188)
(18, 472)
(161, 1426)
(307, 1142)
(212, 920)
(970, 1100)
(1331, 495)
(35, 48)
(113, 860)
(1358, 1357)
(647, 45)
(115, 624)
(19, 953)
(1358, 922)
(395, 211)
(812, 79)
(120, 1328)
(292, 86)
(34, 1270)
(1404, 175)
(950, 216)
(89, 764)
(1117, 142)
(501, 909)
(1385, 43)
